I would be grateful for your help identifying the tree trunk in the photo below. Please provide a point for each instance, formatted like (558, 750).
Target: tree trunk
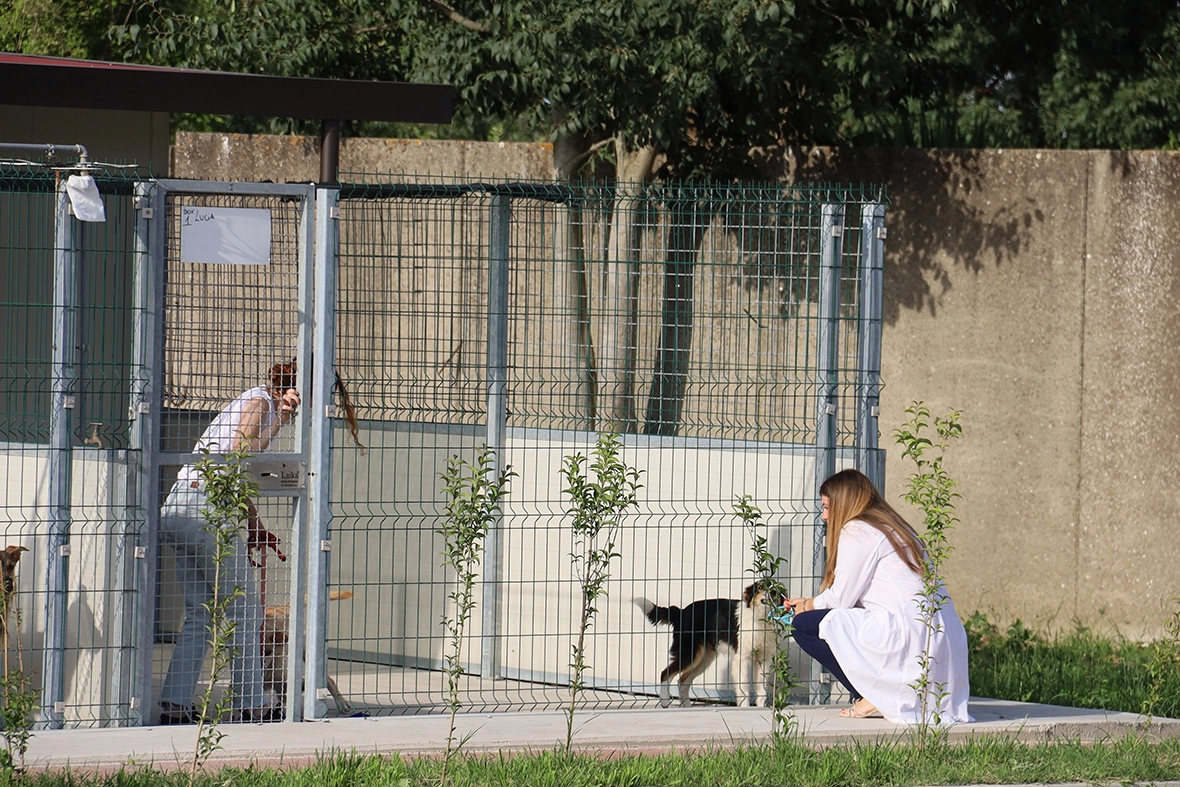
(618, 331)
(569, 154)
(688, 218)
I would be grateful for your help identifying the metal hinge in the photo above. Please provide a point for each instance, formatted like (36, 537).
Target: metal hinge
(829, 409)
(326, 545)
(837, 231)
(881, 233)
(144, 206)
(334, 212)
(65, 550)
(140, 553)
(67, 402)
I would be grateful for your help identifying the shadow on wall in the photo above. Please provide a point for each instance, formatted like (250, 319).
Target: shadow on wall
(942, 215)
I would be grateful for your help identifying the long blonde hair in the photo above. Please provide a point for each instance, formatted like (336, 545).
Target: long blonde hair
(851, 495)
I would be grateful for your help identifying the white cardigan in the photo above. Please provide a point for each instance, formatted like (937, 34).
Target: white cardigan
(875, 632)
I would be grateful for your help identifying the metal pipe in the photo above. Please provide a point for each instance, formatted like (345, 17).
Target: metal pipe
(49, 149)
(65, 293)
(319, 482)
(870, 459)
(501, 214)
(329, 152)
(831, 230)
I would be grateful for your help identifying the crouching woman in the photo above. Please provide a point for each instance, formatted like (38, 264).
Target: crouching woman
(866, 625)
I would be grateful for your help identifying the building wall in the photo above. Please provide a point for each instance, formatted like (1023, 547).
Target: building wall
(108, 135)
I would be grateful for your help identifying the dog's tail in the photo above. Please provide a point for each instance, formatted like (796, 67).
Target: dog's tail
(656, 615)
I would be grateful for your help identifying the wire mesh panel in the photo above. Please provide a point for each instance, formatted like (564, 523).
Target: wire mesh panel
(68, 515)
(235, 304)
(690, 319)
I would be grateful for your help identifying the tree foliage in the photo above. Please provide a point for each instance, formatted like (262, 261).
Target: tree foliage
(700, 82)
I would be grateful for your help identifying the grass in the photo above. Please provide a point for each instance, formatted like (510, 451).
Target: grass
(787, 762)
(1078, 668)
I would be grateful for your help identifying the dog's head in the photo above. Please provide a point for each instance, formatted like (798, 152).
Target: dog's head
(754, 595)
(8, 560)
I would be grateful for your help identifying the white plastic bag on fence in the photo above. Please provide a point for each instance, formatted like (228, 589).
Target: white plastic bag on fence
(85, 199)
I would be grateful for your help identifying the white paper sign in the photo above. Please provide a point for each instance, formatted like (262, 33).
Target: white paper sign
(234, 236)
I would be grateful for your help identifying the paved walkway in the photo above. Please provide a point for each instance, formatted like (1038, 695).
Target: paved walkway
(605, 732)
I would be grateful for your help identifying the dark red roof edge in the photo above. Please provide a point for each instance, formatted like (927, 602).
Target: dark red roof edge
(31, 80)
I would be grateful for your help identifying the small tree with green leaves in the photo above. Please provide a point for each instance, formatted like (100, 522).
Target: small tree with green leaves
(596, 507)
(228, 492)
(932, 490)
(474, 494)
(765, 570)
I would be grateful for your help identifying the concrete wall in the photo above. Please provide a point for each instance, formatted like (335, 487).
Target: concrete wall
(259, 157)
(1036, 291)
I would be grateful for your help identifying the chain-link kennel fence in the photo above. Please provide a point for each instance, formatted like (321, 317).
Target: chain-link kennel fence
(730, 334)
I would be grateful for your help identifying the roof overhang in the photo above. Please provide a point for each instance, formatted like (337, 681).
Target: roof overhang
(89, 84)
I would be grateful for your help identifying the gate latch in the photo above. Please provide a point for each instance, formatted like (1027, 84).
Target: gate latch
(272, 476)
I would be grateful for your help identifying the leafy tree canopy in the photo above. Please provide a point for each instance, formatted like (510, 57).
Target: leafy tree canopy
(696, 82)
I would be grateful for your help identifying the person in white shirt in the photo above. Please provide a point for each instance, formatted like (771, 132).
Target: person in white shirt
(865, 626)
(250, 422)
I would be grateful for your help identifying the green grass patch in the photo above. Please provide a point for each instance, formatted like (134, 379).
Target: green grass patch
(1078, 668)
(991, 761)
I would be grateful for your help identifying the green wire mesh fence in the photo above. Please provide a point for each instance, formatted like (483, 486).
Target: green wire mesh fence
(724, 330)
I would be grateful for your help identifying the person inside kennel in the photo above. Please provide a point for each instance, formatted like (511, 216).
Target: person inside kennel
(866, 626)
(251, 421)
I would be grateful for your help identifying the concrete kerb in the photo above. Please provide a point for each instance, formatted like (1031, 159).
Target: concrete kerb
(606, 734)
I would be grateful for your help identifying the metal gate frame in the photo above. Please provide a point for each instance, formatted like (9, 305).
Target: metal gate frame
(311, 510)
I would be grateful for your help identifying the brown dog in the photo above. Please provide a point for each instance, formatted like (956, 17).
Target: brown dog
(275, 636)
(8, 560)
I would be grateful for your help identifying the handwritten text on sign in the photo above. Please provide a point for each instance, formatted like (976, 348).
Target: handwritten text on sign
(235, 236)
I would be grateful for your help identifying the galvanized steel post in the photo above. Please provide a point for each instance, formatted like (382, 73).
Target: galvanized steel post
(144, 438)
(501, 214)
(319, 481)
(869, 458)
(65, 293)
(305, 353)
(831, 237)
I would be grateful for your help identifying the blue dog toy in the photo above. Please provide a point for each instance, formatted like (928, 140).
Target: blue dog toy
(783, 614)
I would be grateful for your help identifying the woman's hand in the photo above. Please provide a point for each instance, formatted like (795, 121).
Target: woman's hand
(801, 604)
(289, 405)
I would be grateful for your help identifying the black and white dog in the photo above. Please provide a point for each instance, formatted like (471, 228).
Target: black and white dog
(704, 627)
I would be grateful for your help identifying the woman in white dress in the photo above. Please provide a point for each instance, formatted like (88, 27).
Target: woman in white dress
(865, 626)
